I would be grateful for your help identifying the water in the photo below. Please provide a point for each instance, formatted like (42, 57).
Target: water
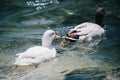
(23, 22)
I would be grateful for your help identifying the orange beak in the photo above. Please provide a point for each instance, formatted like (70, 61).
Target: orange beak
(57, 36)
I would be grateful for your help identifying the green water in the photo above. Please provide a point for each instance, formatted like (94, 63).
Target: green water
(23, 22)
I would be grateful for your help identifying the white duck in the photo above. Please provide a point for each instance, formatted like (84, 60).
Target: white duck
(86, 31)
(38, 54)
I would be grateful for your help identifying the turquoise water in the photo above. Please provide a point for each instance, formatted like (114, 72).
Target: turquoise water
(23, 22)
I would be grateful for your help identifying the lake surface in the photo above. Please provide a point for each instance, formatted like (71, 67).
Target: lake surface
(23, 22)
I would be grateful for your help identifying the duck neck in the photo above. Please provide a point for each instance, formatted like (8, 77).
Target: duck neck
(47, 43)
(99, 16)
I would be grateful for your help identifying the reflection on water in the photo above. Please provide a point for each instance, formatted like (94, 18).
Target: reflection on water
(22, 24)
(94, 74)
(40, 4)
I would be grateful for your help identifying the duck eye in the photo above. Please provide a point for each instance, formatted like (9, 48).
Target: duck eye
(53, 33)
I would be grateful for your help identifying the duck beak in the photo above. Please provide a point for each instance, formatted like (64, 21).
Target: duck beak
(57, 36)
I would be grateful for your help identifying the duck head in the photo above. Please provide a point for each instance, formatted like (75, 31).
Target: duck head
(99, 16)
(48, 37)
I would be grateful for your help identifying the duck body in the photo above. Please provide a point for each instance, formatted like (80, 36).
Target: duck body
(35, 55)
(38, 54)
(86, 31)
